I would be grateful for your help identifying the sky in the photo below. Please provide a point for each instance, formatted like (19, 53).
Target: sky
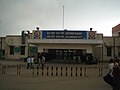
(18, 15)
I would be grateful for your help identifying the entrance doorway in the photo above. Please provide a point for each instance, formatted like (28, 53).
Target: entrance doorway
(65, 54)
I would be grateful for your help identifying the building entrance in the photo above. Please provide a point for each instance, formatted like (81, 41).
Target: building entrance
(65, 54)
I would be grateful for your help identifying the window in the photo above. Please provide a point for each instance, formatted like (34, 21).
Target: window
(109, 51)
(11, 50)
(22, 50)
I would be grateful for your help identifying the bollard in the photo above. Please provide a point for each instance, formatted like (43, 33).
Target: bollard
(42, 71)
(37, 70)
(85, 72)
(3, 69)
(47, 71)
(99, 71)
(0, 68)
(61, 71)
(71, 71)
(33, 70)
(80, 71)
(76, 71)
(51, 71)
(56, 71)
(66, 71)
(17, 70)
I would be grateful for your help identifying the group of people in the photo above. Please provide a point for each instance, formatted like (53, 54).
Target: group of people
(113, 75)
(40, 60)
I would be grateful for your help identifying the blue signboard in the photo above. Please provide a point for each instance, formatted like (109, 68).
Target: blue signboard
(64, 34)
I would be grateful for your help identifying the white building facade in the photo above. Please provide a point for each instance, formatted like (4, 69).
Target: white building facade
(61, 44)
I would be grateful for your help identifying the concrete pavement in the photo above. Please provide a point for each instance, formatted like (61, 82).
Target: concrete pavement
(52, 83)
(14, 82)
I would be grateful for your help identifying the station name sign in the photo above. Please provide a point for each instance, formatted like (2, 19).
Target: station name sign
(64, 34)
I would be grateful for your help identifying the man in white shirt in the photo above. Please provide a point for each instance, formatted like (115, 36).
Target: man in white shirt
(110, 67)
(28, 62)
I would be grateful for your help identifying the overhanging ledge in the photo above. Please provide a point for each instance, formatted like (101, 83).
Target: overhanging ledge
(65, 41)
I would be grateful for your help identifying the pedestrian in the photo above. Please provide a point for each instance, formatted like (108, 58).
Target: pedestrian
(28, 62)
(38, 59)
(43, 61)
(31, 60)
(116, 62)
(109, 77)
(116, 78)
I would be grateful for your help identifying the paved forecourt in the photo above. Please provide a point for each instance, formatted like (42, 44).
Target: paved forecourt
(29, 82)
(52, 83)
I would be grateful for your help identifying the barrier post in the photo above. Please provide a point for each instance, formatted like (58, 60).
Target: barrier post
(71, 71)
(33, 70)
(42, 71)
(99, 71)
(52, 71)
(76, 71)
(85, 72)
(61, 70)
(19, 69)
(3, 69)
(80, 71)
(56, 71)
(66, 71)
(47, 71)
(0, 68)
(37, 70)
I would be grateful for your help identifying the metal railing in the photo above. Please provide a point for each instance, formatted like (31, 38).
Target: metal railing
(72, 71)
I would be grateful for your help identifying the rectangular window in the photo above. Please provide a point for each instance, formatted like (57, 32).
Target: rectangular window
(11, 50)
(22, 50)
(109, 51)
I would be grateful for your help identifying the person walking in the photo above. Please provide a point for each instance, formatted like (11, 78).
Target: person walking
(109, 77)
(42, 61)
(39, 59)
(116, 77)
(28, 62)
(31, 61)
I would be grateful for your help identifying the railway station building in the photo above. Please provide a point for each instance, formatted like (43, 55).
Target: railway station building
(61, 44)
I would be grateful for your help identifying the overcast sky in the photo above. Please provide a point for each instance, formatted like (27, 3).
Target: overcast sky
(18, 15)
